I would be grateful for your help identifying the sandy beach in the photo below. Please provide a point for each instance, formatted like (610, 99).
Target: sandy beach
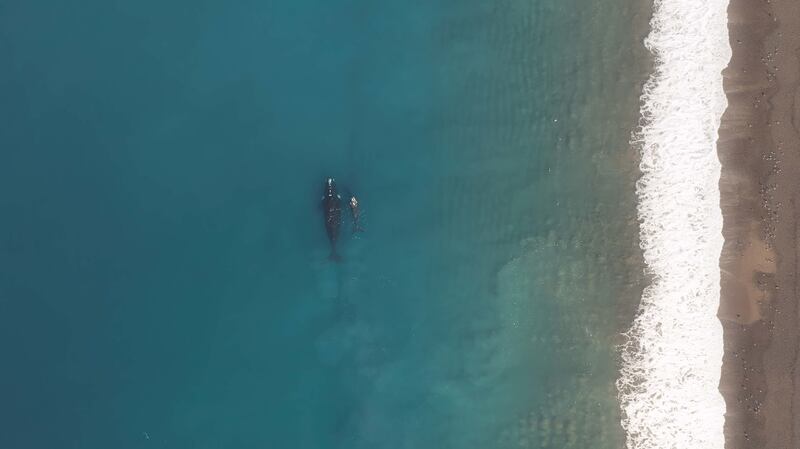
(758, 148)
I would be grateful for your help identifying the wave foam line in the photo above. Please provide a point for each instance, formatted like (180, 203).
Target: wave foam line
(672, 357)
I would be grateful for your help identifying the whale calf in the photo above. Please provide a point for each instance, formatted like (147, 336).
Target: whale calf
(356, 214)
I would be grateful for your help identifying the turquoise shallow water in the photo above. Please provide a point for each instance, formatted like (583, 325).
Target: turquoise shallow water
(164, 279)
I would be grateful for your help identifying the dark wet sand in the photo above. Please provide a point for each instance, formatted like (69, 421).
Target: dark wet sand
(759, 148)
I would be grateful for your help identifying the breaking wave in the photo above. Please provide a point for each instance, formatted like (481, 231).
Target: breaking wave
(672, 357)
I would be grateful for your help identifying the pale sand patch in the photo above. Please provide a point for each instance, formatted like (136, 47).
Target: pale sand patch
(753, 269)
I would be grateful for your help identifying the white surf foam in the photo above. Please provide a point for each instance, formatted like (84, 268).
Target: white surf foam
(671, 362)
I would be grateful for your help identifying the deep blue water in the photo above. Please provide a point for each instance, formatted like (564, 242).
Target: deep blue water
(164, 279)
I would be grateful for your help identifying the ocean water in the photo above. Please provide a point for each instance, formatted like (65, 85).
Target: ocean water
(164, 272)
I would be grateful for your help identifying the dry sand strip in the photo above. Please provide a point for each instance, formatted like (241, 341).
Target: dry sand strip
(759, 147)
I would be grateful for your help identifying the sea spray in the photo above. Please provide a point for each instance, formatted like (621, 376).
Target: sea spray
(671, 361)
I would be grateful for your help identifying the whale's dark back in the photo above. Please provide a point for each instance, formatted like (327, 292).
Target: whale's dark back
(331, 207)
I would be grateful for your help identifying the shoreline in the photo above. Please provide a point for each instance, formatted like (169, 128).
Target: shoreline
(672, 354)
(758, 148)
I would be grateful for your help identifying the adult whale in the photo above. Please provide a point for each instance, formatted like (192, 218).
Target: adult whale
(332, 209)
